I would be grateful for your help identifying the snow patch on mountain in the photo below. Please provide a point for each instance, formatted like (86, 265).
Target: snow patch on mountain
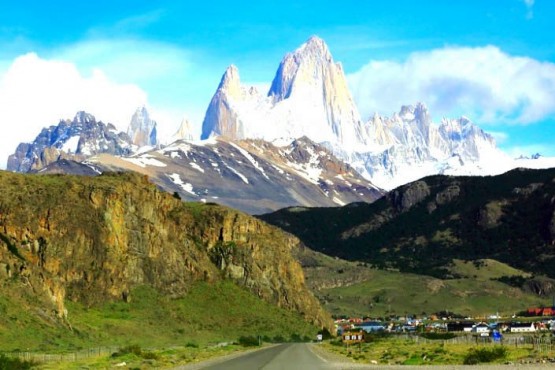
(241, 176)
(144, 161)
(71, 145)
(176, 179)
(197, 167)
(250, 158)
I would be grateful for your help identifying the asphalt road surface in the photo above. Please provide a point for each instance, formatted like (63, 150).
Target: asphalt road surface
(282, 357)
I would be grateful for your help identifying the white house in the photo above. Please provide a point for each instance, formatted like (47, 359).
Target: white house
(480, 328)
(520, 327)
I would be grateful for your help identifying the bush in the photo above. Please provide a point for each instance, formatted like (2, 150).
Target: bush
(325, 334)
(478, 355)
(296, 338)
(136, 350)
(130, 349)
(248, 341)
(337, 342)
(376, 336)
(438, 336)
(9, 363)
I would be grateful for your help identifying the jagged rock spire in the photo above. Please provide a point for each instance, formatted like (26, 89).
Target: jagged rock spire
(142, 129)
(184, 132)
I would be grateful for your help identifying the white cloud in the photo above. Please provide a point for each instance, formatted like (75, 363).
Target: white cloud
(500, 137)
(483, 83)
(530, 7)
(36, 92)
(127, 60)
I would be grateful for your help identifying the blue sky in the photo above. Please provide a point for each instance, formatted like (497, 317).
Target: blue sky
(493, 61)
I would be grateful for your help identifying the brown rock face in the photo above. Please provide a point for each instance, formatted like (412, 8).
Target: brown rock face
(92, 239)
(406, 197)
(490, 215)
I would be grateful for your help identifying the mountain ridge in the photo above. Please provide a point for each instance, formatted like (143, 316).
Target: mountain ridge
(509, 218)
(309, 97)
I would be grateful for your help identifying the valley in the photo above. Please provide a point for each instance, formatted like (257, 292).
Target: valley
(289, 210)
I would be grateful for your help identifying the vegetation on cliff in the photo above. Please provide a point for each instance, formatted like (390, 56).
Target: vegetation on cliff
(72, 245)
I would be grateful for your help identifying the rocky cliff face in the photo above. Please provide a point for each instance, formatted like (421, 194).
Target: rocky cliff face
(93, 239)
(71, 139)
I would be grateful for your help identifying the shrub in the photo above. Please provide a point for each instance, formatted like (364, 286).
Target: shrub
(325, 334)
(296, 338)
(478, 355)
(248, 341)
(130, 349)
(9, 363)
(136, 350)
(438, 336)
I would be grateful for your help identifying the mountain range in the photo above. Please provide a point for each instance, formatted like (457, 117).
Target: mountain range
(309, 97)
(308, 108)
(251, 175)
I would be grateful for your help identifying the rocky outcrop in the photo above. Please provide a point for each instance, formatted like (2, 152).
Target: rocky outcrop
(444, 197)
(92, 239)
(407, 197)
(490, 215)
(541, 286)
(184, 132)
(220, 118)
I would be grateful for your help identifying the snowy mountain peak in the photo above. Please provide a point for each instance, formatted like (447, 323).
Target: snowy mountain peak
(308, 96)
(77, 139)
(231, 82)
(83, 117)
(142, 129)
(315, 48)
(184, 132)
(307, 66)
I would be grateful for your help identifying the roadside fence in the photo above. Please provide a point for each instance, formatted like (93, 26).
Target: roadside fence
(62, 357)
(543, 344)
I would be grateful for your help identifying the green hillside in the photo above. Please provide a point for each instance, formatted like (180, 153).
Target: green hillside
(209, 313)
(423, 226)
(113, 260)
(357, 289)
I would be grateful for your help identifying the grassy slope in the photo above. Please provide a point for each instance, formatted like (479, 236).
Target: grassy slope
(398, 293)
(374, 292)
(209, 313)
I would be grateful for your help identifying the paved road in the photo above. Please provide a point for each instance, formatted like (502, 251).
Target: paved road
(280, 357)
